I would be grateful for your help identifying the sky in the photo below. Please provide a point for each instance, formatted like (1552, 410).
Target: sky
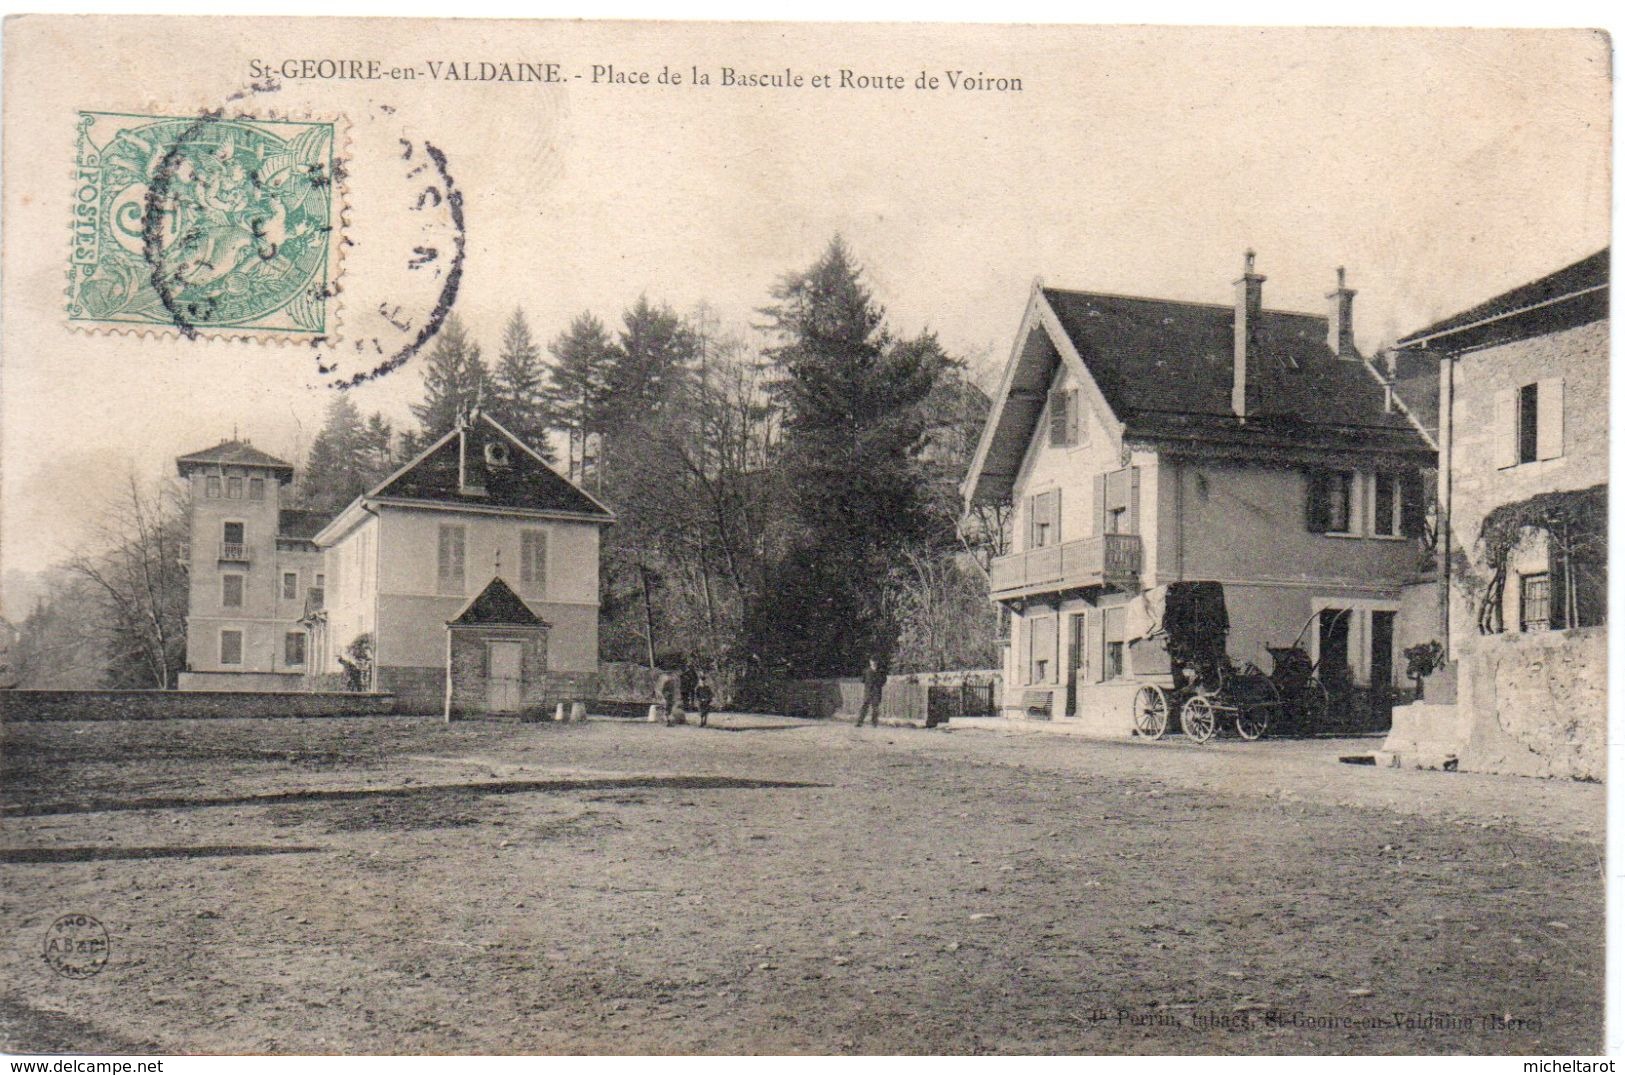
(1439, 167)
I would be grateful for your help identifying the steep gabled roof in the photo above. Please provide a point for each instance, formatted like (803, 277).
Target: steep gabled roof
(1163, 370)
(459, 470)
(1153, 357)
(1574, 295)
(234, 453)
(497, 606)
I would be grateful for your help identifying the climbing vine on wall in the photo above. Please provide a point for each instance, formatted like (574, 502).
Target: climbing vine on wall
(1575, 523)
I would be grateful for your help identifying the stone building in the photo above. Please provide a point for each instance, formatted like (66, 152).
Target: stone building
(1522, 385)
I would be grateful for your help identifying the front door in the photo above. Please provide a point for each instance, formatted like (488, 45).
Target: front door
(505, 683)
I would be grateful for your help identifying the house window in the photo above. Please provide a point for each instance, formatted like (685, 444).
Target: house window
(1041, 648)
(1044, 511)
(1115, 519)
(1063, 418)
(450, 567)
(231, 647)
(293, 648)
(232, 542)
(256, 488)
(533, 560)
(1330, 505)
(1340, 502)
(211, 487)
(1386, 509)
(290, 585)
(234, 488)
(1529, 423)
(1112, 630)
(1535, 602)
(317, 597)
(231, 591)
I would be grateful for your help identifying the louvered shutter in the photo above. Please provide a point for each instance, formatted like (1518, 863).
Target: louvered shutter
(1549, 418)
(1317, 502)
(1055, 517)
(1134, 500)
(1025, 626)
(1072, 418)
(1412, 510)
(1506, 428)
(1100, 503)
(1057, 419)
(1097, 646)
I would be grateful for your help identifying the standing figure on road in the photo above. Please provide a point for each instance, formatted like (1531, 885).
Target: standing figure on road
(666, 690)
(874, 684)
(702, 698)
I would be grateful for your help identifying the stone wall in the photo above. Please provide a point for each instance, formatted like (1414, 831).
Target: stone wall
(186, 705)
(1535, 704)
(904, 697)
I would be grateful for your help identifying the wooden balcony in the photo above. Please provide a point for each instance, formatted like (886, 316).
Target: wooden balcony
(1107, 560)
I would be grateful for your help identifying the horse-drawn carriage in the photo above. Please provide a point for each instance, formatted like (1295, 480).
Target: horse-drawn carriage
(1183, 667)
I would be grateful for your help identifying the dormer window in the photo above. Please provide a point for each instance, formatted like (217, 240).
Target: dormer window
(496, 454)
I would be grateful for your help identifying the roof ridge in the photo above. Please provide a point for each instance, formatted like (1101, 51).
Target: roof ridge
(1179, 302)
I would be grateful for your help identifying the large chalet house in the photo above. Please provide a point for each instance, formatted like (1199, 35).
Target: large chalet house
(279, 597)
(1143, 442)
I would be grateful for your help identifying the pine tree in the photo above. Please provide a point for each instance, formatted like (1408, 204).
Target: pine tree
(331, 478)
(654, 359)
(577, 388)
(856, 423)
(517, 399)
(452, 381)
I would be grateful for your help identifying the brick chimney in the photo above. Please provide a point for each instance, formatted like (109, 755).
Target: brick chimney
(1340, 320)
(1249, 323)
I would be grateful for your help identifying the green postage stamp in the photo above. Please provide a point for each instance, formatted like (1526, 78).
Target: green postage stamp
(204, 225)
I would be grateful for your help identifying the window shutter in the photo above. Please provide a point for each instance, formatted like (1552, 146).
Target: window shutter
(1100, 503)
(1055, 517)
(1317, 503)
(1549, 418)
(1097, 646)
(1057, 419)
(1025, 626)
(1557, 577)
(1412, 511)
(1134, 500)
(1506, 428)
(1072, 417)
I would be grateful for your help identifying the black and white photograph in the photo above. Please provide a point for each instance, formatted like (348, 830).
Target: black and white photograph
(709, 538)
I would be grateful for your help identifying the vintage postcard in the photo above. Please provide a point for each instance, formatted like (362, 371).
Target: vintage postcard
(540, 537)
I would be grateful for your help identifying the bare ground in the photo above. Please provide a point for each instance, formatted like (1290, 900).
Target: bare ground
(330, 886)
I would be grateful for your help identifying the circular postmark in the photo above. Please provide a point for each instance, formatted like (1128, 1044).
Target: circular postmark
(77, 946)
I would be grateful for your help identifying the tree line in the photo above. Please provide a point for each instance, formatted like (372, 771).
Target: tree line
(787, 493)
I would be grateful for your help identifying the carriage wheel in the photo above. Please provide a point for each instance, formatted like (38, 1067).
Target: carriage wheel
(1197, 719)
(1150, 711)
(1252, 721)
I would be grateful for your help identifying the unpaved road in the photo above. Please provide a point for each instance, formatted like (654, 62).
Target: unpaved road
(393, 885)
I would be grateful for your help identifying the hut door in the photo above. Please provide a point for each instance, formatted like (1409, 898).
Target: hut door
(503, 685)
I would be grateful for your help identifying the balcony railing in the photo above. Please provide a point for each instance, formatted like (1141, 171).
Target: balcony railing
(236, 552)
(1105, 560)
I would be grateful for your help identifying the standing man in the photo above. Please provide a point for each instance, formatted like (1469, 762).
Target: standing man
(702, 698)
(666, 689)
(874, 684)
